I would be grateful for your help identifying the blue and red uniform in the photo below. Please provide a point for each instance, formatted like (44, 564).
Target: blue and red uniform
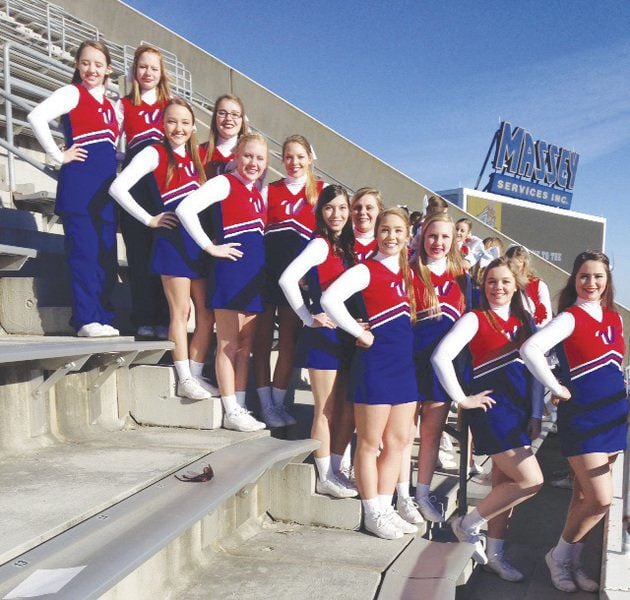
(290, 225)
(384, 373)
(143, 126)
(218, 164)
(364, 251)
(326, 349)
(497, 366)
(87, 210)
(175, 252)
(240, 218)
(429, 330)
(595, 418)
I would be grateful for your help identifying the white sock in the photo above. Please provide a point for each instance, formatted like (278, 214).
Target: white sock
(371, 507)
(278, 396)
(264, 394)
(196, 368)
(229, 403)
(576, 554)
(183, 369)
(402, 489)
(385, 500)
(323, 467)
(494, 546)
(240, 398)
(335, 462)
(346, 461)
(422, 490)
(563, 551)
(473, 521)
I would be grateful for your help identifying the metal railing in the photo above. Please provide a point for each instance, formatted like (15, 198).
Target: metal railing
(625, 522)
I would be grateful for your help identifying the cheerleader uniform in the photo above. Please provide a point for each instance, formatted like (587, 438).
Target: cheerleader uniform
(238, 215)
(326, 349)
(222, 160)
(383, 373)
(89, 120)
(290, 225)
(143, 127)
(594, 419)
(430, 329)
(497, 366)
(365, 246)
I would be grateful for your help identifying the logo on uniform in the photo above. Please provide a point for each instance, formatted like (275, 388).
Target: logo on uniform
(511, 333)
(443, 289)
(151, 117)
(292, 208)
(108, 115)
(399, 288)
(257, 202)
(189, 169)
(607, 335)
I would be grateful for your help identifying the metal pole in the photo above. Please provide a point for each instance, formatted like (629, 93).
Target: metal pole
(9, 114)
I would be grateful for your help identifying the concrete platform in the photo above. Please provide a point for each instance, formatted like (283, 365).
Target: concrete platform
(47, 491)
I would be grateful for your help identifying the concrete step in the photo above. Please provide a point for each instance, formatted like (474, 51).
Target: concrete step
(154, 401)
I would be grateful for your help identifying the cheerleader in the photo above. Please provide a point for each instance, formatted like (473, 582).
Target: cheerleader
(290, 225)
(176, 172)
(442, 291)
(141, 111)
(504, 408)
(384, 386)
(593, 407)
(236, 274)
(366, 205)
(88, 166)
(328, 353)
(537, 297)
(469, 245)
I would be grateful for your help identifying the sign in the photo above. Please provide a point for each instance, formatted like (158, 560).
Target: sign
(532, 170)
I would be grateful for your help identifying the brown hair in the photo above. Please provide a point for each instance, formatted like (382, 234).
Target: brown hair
(191, 145)
(311, 180)
(568, 295)
(76, 77)
(214, 131)
(454, 263)
(163, 88)
(519, 255)
(435, 204)
(403, 260)
(342, 244)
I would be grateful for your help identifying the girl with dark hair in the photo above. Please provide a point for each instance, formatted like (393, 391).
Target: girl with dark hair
(593, 405)
(504, 407)
(328, 353)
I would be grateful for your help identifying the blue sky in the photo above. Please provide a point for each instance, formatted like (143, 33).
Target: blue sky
(423, 85)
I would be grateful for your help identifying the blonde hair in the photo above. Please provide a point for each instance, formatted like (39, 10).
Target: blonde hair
(254, 136)
(364, 191)
(454, 263)
(403, 260)
(311, 180)
(163, 88)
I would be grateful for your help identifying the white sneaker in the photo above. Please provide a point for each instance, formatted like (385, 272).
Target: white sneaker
(475, 469)
(161, 332)
(190, 388)
(428, 511)
(92, 330)
(145, 331)
(270, 416)
(446, 461)
(206, 385)
(399, 522)
(470, 537)
(284, 414)
(240, 419)
(497, 563)
(446, 443)
(408, 510)
(109, 330)
(382, 525)
(335, 488)
(583, 581)
(560, 571)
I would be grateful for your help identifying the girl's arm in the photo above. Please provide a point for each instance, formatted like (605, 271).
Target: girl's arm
(314, 254)
(454, 341)
(59, 103)
(212, 191)
(143, 163)
(534, 349)
(352, 281)
(119, 109)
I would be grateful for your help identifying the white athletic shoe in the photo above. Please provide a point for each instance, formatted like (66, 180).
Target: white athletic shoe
(109, 330)
(583, 581)
(446, 461)
(190, 388)
(408, 510)
(560, 571)
(145, 331)
(206, 385)
(401, 523)
(382, 525)
(475, 469)
(497, 563)
(240, 419)
(335, 488)
(271, 417)
(92, 330)
(470, 537)
(428, 511)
